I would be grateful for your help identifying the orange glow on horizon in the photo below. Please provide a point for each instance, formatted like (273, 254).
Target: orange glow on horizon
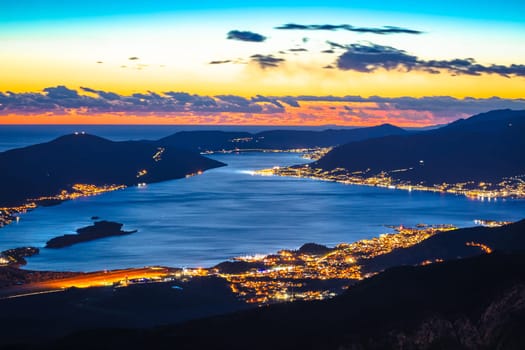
(310, 113)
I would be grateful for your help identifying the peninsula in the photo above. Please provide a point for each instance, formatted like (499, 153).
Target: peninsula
(480, 157)
(80, 164)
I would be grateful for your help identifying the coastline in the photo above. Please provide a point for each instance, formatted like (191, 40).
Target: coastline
(10, 214)
(312, 272)
(516, 190)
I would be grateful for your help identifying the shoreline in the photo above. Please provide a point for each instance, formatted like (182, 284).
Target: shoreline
(311, 272)
(343, 177)
(10, 214)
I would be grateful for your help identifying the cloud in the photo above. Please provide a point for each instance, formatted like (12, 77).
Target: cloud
(334, 45)
(439, 106)
(332, 27)
(60, 92)
(133, 58)
(220, 62)
(60, 100)
(367, 58)
(371, 57)
(267, 61)
(298, 49)
(245, 36)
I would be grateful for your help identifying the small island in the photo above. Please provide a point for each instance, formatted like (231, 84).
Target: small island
(99, 229)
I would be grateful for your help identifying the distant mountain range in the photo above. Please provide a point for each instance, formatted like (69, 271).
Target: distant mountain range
(485, 147)
(275, 139)
(48, 168)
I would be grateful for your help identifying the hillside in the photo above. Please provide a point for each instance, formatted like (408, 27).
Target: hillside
(275, 139)
(472, 303)
(475, 303)
(485, 147)
(48, 168)
(456, 244)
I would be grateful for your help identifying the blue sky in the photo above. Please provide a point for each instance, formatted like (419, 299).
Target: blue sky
(87, 59)
(31, 10)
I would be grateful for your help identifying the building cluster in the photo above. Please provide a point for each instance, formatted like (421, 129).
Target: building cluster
(10, 214)
(511, 187)
(15, 257)
(158, 155)
(307, 153)
(299, 275)
(486, 249)
(316, 153)
(491, 223)
(79, 190)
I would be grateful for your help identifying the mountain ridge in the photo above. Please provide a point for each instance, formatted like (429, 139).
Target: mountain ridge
(48, 168)
(274, 139)
(485, 147)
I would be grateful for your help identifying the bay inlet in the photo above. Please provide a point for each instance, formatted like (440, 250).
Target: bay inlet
(228, 212)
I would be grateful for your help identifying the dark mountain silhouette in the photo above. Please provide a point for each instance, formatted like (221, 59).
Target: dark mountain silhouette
(485, 147)
(47, 316)
(455, 244)
(474, 303)
(471, 303)
(275, 139)
(47, 168)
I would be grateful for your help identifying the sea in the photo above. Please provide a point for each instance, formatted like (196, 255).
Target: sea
(225, 212)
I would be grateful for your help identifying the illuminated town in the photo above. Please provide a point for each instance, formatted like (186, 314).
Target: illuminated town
(10, 214)
(313, 272)
(511, 187)
(316, 272)
(307, 153)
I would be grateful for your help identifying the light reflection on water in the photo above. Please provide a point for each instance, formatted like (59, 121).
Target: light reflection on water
(228, 212)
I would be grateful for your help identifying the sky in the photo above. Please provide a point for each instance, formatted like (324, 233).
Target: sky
(414, 63)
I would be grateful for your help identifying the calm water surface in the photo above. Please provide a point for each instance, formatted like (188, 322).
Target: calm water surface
(228, 212)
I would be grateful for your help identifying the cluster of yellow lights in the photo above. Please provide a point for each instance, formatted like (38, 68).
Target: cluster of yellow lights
(512, 187)
(10, 214)
(80, 190)
(141, 173)
(284, 276)
(287, 274)
(158, 155)
(481, 246)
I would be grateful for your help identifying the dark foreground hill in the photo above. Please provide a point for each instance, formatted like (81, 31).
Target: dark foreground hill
(472, 303)
(46, 316)
(485, 147)
(48, 168)
(275, 139)
(457, 244)
(476, 303)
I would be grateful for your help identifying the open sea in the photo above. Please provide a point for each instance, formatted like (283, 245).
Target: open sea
(225, 212)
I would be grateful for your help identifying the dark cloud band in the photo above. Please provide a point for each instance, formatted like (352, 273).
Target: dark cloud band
(267, 61)
(371, 57)
(61, 100)
(332, 27)
(245, 36)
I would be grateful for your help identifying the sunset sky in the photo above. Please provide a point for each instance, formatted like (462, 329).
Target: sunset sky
(273, 63)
